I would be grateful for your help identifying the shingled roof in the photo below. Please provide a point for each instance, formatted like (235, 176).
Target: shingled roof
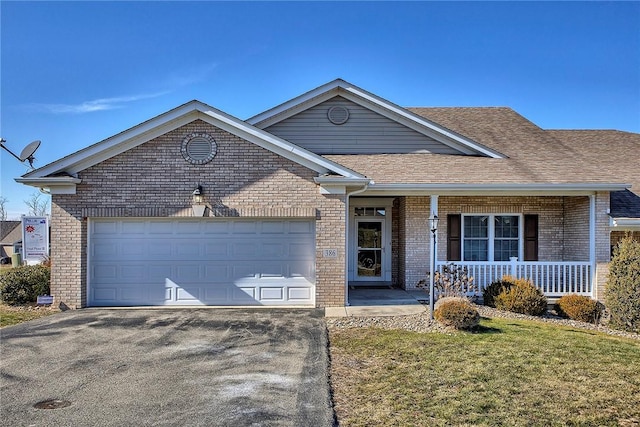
(534, 155)
(616, 153)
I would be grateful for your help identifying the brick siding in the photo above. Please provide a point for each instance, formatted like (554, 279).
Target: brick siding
(563, 228)
(153, 179)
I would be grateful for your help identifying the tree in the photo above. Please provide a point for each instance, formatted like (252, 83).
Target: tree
(3, 208)
(623, 287)
(38, 206)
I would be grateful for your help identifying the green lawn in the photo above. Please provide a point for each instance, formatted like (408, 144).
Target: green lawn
(13, 315)
(510, 373)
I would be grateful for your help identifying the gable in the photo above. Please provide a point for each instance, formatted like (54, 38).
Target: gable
(377, 104)
(60, 177)
(364, 132)
(157, 170)
(10, 231)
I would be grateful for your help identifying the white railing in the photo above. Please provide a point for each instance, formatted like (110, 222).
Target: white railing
(552, 278)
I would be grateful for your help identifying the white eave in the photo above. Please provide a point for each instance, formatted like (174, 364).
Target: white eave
(625, 224)
(166, 122)
(55, 184)
(381, 106)
(504, 189)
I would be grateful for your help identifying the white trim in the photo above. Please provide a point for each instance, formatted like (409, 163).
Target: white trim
(375, 103)
(174, 119)
(352, 240)
(592, 243)
(624, 224)
(385, 250)
(491, 235)
(433, 207)
(497, 189)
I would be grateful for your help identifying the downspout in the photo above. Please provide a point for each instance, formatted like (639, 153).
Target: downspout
(346, 239)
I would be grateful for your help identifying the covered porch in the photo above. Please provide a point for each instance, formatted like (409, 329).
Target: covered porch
(560, 241)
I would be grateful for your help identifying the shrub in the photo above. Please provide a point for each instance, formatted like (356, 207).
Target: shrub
(457, 313)
(522, 297)
(495, 288)
(622, 294)
(452, 281)
(578, 307)
(22, 285)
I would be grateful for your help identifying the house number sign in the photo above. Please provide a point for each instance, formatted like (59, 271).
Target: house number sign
(330, 253)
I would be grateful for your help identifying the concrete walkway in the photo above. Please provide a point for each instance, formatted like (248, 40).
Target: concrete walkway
(365, 302)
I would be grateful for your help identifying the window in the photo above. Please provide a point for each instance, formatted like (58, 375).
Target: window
(370, 212)
(490, 237)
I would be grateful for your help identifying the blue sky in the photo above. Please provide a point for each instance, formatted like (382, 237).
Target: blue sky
(74, 73)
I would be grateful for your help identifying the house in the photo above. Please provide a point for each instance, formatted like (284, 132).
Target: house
(330, 190)
(10, 232)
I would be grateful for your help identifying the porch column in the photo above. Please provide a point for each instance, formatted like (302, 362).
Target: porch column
(434, 211)
(592, 243)
(432, 252)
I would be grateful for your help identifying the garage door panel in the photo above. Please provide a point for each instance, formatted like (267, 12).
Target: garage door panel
(159, 249)
(216, 250)
(137, 272)
(302, 293)
(216, 227)
(272, 227)
(187, 249)
(244, 294)
(108, 228)
(272, 294)
(155, 227)
(304, 227)
(133, 228)
(188, 294)
(195, 262)
(105, 249)
(244, 227)
(242, 250)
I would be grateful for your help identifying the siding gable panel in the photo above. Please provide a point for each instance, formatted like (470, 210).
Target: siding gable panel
(365, 132)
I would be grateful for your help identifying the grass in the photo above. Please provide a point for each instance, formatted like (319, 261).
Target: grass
(509, 373)
(10, 315)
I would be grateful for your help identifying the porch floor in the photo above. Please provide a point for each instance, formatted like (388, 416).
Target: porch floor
(367, 302)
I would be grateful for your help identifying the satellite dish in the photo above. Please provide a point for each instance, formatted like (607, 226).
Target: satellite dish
(28, 152)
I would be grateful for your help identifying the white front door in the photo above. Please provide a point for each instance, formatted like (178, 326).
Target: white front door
(370, 254)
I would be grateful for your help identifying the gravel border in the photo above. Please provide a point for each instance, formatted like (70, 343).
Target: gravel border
(423, 324)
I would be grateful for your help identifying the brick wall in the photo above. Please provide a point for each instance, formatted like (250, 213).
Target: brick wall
(576, 228)
(603, 243)
(549, 210)
(153, 179)
(415, 218)
(563, 229)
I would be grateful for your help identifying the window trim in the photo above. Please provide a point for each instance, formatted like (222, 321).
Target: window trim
(491, 234)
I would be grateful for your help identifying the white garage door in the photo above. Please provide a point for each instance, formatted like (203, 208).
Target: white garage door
(184, 261)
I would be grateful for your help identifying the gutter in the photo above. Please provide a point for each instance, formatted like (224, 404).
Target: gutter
(445, 189)
(624, 224)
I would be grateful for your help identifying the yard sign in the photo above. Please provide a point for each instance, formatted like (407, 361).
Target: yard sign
(35, 238)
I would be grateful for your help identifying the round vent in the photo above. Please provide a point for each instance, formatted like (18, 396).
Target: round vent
(338, 115)
(199, 148)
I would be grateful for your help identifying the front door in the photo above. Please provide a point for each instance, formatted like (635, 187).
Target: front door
(370, 251)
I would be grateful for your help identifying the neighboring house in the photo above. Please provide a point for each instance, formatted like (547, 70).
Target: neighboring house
(329, 190)
(10, 232)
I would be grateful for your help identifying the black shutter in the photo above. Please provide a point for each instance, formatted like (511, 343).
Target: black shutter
(531, 237)
(454, 231)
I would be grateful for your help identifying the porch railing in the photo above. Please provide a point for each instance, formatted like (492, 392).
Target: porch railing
(552, 278)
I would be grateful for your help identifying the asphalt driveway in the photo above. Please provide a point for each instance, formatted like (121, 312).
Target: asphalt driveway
(167, 367)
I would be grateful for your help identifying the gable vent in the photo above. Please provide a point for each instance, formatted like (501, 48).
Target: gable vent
(198, 148)
(338, 115)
